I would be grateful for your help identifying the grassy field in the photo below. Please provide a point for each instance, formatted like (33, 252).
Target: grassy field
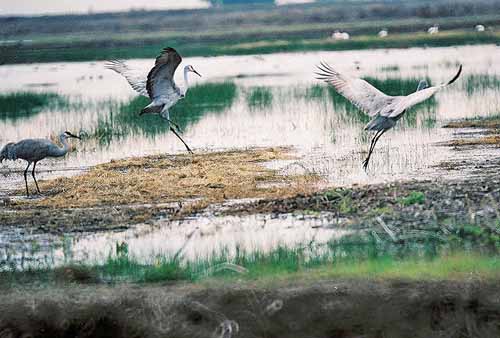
(245, 30)
(468, 250)
(40, 52)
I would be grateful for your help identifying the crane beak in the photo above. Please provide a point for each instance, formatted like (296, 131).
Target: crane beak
(72, 135)
(194, 71)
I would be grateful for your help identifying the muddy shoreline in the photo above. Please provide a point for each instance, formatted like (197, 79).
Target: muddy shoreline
(328, 308)
(474, 199)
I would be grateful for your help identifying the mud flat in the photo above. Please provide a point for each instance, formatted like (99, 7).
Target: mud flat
(324, 308)
(123, 193)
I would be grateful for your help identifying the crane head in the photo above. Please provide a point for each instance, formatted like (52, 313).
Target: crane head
(422, 85)
(67, 134)
(191, 69)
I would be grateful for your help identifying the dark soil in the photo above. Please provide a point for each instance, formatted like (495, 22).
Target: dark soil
(419, 204)
(368, 309)
(71, 220)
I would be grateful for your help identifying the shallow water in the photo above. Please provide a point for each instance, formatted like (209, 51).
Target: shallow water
(211, 235)
(330, 135)
(276, 103)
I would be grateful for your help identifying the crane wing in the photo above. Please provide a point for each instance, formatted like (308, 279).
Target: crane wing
(32, 149)
(417, 97)
(136, 80)
(161, 77)
(362, 94)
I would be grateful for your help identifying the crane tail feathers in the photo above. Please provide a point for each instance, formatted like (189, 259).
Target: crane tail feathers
(456, 76)
(152, 109)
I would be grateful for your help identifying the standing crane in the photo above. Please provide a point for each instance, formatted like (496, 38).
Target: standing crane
(159, 85)
(385, 110)
(35, 150)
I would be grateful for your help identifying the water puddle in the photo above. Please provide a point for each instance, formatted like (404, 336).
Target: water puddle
(199, 237)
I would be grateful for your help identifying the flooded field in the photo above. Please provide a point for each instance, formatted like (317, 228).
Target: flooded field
(243, 102)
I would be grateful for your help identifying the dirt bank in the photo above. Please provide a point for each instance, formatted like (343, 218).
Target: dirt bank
(414, 204)
(335, 308)
(485, 131)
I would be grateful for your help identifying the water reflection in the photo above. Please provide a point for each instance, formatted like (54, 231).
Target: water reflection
(212, 235)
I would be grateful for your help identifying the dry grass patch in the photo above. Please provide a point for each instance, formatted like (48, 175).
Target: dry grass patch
(487, 140)
(209, 177)
(480, 123)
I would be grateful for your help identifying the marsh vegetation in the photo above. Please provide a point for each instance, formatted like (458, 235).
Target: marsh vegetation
(274, 194)
(247, 30)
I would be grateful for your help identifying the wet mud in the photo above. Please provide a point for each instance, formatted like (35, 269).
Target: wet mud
(402, 204)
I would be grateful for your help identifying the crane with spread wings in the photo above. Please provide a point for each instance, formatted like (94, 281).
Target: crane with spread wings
(159, 85)
(385, 110)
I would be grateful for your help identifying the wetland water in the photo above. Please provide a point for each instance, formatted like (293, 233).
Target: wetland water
(247, 101)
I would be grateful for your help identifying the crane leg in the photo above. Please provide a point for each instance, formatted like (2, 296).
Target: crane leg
(374, 140)
(34, 178)
(180, 138)
(175, 125)
(372, 146)
(26, 179)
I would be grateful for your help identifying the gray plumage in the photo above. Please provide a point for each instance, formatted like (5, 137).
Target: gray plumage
(385, 110)
(159, 85)
(33, 151)
(136, 80)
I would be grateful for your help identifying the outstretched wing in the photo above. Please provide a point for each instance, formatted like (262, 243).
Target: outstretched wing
(161, 77)
(136, 80)
(419, 96)
(362, 94)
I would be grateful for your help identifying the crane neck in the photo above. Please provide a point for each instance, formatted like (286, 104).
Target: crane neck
(65, 148)
(186, 81)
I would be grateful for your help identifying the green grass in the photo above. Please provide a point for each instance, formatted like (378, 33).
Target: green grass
(259, 97)
(457, 265)
(405, 40)
(20, 105)
(481, 82)
(316, 91)
(238, 44)
(415, 197)
(202, 99)
(465, 250)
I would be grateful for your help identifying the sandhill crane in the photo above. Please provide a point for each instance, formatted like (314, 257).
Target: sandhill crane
(385, 110)
(159, 85)
(35, 150)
